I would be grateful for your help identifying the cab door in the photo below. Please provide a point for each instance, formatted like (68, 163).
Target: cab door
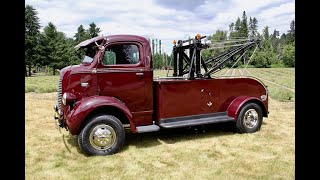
(121, 75)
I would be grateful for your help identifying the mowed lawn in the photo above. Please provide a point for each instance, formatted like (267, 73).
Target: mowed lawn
(210, 152)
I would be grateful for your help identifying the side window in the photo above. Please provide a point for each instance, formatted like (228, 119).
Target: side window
(121, 54)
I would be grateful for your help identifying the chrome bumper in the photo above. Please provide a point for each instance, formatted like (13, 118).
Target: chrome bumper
(58, 118)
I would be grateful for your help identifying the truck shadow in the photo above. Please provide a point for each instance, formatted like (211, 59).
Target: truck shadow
(170, 136)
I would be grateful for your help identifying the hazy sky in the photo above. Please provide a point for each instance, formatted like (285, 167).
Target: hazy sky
(162, 19)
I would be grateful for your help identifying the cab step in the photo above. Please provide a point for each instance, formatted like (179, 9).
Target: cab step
(149, 128)
(185, 121)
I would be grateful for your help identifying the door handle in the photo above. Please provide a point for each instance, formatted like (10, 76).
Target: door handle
(140, 75)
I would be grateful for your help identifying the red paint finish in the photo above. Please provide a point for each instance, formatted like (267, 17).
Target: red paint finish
(176, 97)
(76, 116)
(130, 83)
(237, 103)
(124, 85)
(132, 89)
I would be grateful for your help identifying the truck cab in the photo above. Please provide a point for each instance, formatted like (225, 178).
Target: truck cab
(114, 88)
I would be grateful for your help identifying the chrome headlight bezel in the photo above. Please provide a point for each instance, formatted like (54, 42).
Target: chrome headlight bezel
(64, 99)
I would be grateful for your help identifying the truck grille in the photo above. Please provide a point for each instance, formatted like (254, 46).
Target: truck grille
(60, 92)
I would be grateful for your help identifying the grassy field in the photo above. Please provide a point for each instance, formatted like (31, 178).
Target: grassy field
(280, 81)
(41, 84)
(213, 152)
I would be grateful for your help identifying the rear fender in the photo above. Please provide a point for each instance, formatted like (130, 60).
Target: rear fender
(82, 109)
(235, 106)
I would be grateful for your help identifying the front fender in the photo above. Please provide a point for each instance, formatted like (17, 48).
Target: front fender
(235, 106)
(83, 107)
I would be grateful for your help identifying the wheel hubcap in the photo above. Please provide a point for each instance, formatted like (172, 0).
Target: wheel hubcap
(102, 137)
(250, 119)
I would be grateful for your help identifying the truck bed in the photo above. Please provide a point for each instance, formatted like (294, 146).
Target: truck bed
(179, 97)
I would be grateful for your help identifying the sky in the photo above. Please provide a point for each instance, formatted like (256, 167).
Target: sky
(167, 20)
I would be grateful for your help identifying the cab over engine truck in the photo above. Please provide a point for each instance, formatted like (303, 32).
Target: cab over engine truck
(114, 89)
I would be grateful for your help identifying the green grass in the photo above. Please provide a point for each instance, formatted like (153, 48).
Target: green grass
(213, 152)
(41, 84)
(277, 75)
(162, 73)
(281, 76)
(279, 93)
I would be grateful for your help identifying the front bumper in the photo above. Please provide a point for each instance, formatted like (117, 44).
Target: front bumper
(58, 117)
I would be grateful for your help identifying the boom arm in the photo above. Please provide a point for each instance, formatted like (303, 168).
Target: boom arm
(184, 64)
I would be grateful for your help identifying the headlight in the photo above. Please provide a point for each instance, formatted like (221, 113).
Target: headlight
(68, 98)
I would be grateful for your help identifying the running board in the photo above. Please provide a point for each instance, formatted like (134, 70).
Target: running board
(149, 128)
(194, 120)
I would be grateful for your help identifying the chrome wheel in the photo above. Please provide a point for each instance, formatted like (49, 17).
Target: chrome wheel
(250, 119)
(102, 137)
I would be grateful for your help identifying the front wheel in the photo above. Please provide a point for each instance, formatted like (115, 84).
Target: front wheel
(102, 135)
(249, 119)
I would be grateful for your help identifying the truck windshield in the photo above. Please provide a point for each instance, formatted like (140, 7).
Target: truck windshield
(89, 53)
(87, 59)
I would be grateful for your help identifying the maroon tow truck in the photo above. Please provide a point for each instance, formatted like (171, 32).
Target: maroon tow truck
(114, 89)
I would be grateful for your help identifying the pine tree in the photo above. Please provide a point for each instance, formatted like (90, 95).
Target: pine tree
(160, 46)
(231, 27)
(237, 25)
(266, 33)
(244, 25)
(275, 40)
(235, 29)
(253, 26)
(32, 38)
(80, 35)
(291, 33)
(152, 47)
(93, 30)
(156, 46)
(288, 55)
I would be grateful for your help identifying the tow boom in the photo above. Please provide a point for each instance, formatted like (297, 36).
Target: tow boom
(191, 64)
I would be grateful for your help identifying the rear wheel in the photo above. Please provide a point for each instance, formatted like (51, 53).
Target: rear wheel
(102, 135)
(249, 119)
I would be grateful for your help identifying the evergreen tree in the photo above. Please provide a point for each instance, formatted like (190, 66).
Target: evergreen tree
(152, 47)
(237, 25)
(244, 25)
(59, 50)
(231, 27)
(93, 30)
(50, 35)
(160, 46)
(288, 55)
(266, 33)
(32, 38)
(275, 40)
(81, 35)
(234, 33)
(156, 46)
(253, 26)
(291, 33)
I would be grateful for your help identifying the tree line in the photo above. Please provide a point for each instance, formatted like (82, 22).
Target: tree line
(51, 48)
(276, 50)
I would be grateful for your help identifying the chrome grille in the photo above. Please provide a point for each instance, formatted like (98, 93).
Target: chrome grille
(60, 92)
